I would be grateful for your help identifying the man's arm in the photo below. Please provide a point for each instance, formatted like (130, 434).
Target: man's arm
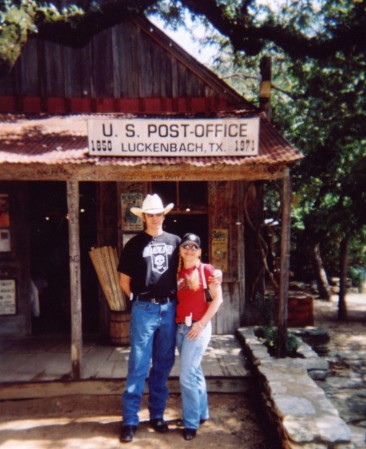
(125, 283)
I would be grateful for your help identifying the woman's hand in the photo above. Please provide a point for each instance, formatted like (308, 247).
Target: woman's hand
(195, 330)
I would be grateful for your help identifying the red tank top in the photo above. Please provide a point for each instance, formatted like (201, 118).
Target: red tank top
(192, 301)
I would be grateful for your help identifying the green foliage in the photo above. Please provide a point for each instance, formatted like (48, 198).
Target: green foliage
(328, 128)
(301, 28)
(268, 334)
(22, 18)
(357, 275)
(320, 106)
(16, 22)
(269, 337)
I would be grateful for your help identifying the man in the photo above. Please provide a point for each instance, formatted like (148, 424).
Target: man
(148, 275)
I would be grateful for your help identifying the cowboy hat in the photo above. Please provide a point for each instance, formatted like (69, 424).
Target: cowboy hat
(152, 204)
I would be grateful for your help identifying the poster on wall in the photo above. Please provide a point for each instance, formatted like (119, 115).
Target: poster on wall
(131, 222)
(126, 238)
(220, 249)
(7, 297)
(4, 240)
(4, 223)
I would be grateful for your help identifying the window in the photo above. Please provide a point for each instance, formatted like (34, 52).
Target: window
(190, 209)
(187, 196)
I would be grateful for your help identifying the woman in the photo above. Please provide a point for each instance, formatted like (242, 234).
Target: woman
(193, 317)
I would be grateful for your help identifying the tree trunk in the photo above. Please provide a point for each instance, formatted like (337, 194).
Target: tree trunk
(343, 266)
(319, 271)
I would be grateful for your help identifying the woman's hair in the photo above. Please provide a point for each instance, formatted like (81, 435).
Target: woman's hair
(193, 279)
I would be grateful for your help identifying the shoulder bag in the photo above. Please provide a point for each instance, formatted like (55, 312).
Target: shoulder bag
(208, 296)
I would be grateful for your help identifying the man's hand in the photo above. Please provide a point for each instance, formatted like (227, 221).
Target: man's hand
(216, 279)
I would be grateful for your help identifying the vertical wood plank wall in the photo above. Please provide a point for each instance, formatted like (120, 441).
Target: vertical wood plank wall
(121, 62)
(223, 199)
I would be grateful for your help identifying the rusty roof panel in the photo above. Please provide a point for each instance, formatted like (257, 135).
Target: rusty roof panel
(63, 140)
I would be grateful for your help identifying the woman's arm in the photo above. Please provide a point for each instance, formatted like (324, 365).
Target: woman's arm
(217, 299)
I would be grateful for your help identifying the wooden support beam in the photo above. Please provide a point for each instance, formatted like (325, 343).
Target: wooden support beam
(75, 279)
(156, 172)
(265, 86)
(285, 266)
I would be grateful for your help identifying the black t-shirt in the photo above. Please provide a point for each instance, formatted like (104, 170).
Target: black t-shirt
(152, 264)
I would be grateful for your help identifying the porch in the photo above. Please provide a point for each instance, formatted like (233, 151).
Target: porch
(40, 367)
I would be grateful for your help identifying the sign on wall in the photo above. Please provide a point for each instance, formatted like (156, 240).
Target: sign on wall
(131, 222)
(4, 223)
(220, 247)
(173, 137)
(7, 297)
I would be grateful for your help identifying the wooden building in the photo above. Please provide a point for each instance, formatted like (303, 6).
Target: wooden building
(55, 187)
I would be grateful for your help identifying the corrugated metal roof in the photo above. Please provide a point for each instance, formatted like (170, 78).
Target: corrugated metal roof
(63, 140)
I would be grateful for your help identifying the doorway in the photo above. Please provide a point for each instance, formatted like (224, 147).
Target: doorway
(50, 256)
(196, 223)
(190, 209)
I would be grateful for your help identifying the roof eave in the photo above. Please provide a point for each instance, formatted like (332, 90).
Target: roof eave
(156, 172)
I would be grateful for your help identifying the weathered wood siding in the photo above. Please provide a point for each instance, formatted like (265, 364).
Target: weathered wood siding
(224, 200)
(121, 62)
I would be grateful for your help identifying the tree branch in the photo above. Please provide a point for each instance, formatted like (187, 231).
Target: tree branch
(239, 26)
(246, 36)
(76, 33)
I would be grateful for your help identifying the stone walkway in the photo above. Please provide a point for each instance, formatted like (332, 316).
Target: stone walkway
(317, 401)
(345, 385)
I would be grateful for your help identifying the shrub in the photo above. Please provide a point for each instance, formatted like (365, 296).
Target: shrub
(269, 337)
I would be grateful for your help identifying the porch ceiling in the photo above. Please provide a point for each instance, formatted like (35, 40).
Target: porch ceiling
(47, 147)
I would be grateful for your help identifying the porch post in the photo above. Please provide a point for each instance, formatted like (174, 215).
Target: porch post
(75, 279)
(285, 266)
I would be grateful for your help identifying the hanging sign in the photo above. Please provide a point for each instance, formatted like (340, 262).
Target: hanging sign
(173, 137)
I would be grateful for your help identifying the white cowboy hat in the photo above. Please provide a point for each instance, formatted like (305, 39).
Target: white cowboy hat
(152, 204)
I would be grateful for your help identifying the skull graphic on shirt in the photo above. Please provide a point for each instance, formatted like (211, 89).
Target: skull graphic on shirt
(158, 252)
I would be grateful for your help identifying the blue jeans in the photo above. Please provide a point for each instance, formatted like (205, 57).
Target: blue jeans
(152, 337)
(191, 378)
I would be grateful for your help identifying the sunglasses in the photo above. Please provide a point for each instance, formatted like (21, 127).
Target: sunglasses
(191, 247)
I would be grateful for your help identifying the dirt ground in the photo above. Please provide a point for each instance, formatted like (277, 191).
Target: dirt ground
(93, 422)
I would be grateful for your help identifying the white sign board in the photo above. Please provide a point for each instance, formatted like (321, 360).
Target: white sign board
(7, 297)
(173, 137)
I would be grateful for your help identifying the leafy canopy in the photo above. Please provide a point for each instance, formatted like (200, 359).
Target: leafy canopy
(248, 25)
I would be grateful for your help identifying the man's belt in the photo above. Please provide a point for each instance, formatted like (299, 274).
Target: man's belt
(155, 300)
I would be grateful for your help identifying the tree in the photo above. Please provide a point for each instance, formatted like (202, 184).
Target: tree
(320, 106)
(249, 26)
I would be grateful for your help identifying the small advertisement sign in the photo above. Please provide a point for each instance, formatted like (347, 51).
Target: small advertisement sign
(7, 297)
(220, 246)
(131, 222)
